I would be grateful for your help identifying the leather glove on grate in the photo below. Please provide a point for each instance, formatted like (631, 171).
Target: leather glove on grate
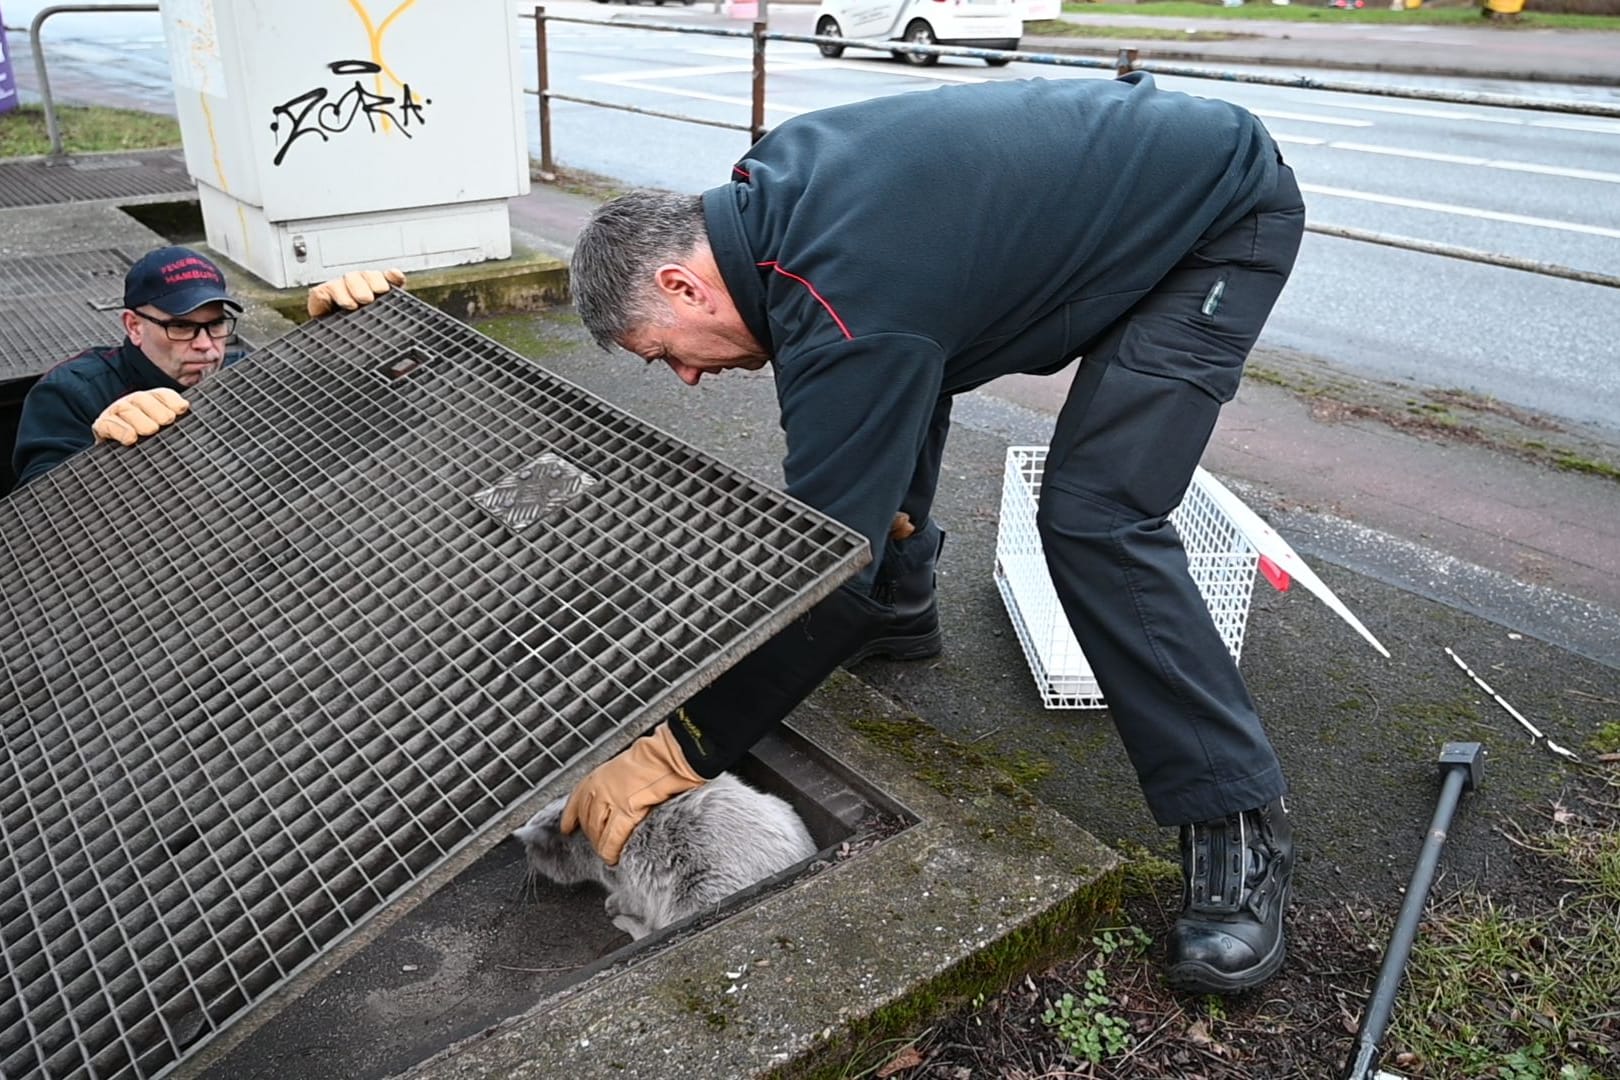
(139, 414)
(353, 290)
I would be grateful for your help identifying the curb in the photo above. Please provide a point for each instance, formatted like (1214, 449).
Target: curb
(1149, 53)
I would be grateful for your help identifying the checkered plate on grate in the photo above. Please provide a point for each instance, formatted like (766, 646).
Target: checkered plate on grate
(276, 671)
(53, 306)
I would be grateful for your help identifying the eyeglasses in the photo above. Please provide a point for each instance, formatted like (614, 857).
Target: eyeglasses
(186, 330)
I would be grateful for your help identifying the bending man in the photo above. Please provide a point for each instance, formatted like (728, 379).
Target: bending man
(885, 256)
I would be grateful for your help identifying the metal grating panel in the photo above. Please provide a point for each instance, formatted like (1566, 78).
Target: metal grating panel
(32, 182)
(53, 306)
(267, 672)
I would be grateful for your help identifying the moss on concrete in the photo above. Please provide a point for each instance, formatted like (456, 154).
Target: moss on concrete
(531, 334)
(1452, 415)
(859, 1047)
(528, 281)
(1607, 739)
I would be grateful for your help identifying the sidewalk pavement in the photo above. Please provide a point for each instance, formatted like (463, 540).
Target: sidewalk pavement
(1587, 57)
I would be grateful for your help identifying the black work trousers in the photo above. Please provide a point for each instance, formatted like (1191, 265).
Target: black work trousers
(1136, 421)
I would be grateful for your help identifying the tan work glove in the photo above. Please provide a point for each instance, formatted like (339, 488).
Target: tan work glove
(353, 290)
(139, 414)
(902, 526)
(615, 796)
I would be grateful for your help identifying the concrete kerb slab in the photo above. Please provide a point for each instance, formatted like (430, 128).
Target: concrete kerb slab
(988, 885)
(528, 281)
(54, 230)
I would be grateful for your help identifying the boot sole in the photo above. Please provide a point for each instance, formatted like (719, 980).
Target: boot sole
(918, 647)
(1203, 979)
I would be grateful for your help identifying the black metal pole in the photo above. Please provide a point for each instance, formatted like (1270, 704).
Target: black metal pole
(548, 168)
(1460, 764)
(757, 123)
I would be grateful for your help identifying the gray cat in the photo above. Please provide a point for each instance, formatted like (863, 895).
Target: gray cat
(690, 853)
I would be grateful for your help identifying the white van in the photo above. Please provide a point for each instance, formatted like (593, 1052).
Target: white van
(982, 24)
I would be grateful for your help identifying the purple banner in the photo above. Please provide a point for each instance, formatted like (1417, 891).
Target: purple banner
(8, 85)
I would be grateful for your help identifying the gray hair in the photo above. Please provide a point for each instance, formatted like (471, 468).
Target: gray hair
(626, 239)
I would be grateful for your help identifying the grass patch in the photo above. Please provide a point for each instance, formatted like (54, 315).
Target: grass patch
(1426, 15)
(1572, 462)
(91, 130)
(1498, 991)
(1607, 740)
(1063, 28)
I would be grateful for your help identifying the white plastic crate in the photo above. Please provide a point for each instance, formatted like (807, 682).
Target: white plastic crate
(1221, 557)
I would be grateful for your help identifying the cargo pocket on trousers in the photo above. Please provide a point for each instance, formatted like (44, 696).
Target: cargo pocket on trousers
(1196, 351)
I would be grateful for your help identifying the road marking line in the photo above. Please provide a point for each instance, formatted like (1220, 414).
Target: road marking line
(699, 95)
(1599, 126)
(910, 71)
(1298, 140)
(1479, 162)
(691, 72)
(1311, 118)
(1463, 211)
(1421, 155)
(1433, 114)
(936, 74)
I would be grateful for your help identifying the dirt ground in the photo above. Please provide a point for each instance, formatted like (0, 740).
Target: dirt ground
(1303, 1023)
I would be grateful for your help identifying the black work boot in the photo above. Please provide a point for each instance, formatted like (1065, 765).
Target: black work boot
(1236, 873)
(906, 587)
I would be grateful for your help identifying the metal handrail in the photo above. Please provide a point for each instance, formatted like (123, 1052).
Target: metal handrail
(52, 128)
(1125, 62)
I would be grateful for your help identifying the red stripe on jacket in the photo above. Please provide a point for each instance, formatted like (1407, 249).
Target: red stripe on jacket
(822, 300)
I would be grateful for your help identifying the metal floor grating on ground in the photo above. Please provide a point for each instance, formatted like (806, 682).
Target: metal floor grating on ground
(267, 672)
(90, 177)
(52, 306)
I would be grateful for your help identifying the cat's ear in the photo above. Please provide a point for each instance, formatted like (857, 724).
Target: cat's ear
(528, 834)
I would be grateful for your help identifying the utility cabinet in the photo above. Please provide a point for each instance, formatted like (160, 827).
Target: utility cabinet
(331, 135)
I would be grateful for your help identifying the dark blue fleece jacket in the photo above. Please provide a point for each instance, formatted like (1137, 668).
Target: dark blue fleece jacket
(897, 251)
(61, 406)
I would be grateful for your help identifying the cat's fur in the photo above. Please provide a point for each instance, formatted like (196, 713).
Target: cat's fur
(690, 853)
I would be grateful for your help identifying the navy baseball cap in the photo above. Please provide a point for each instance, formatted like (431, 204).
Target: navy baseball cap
(175, 280)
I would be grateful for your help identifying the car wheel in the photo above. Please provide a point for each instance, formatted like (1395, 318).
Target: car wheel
(828, 27)
(920, 33)
(992, 63)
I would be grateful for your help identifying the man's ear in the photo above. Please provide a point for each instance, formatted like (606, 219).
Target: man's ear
(680, 286)
(133, 326)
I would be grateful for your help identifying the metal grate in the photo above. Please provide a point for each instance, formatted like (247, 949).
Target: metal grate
(33, 182)
(52, 306)
(267, 672)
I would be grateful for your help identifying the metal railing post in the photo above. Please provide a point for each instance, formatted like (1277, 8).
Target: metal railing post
(548, 168)
(52, 128)
(756, 126)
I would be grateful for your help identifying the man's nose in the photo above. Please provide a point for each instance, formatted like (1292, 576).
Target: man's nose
(684, 372)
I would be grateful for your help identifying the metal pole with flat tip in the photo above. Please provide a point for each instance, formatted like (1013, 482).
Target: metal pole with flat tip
(1461, 768)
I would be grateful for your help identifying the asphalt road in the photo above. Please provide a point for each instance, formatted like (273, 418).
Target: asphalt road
(1531, 184)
